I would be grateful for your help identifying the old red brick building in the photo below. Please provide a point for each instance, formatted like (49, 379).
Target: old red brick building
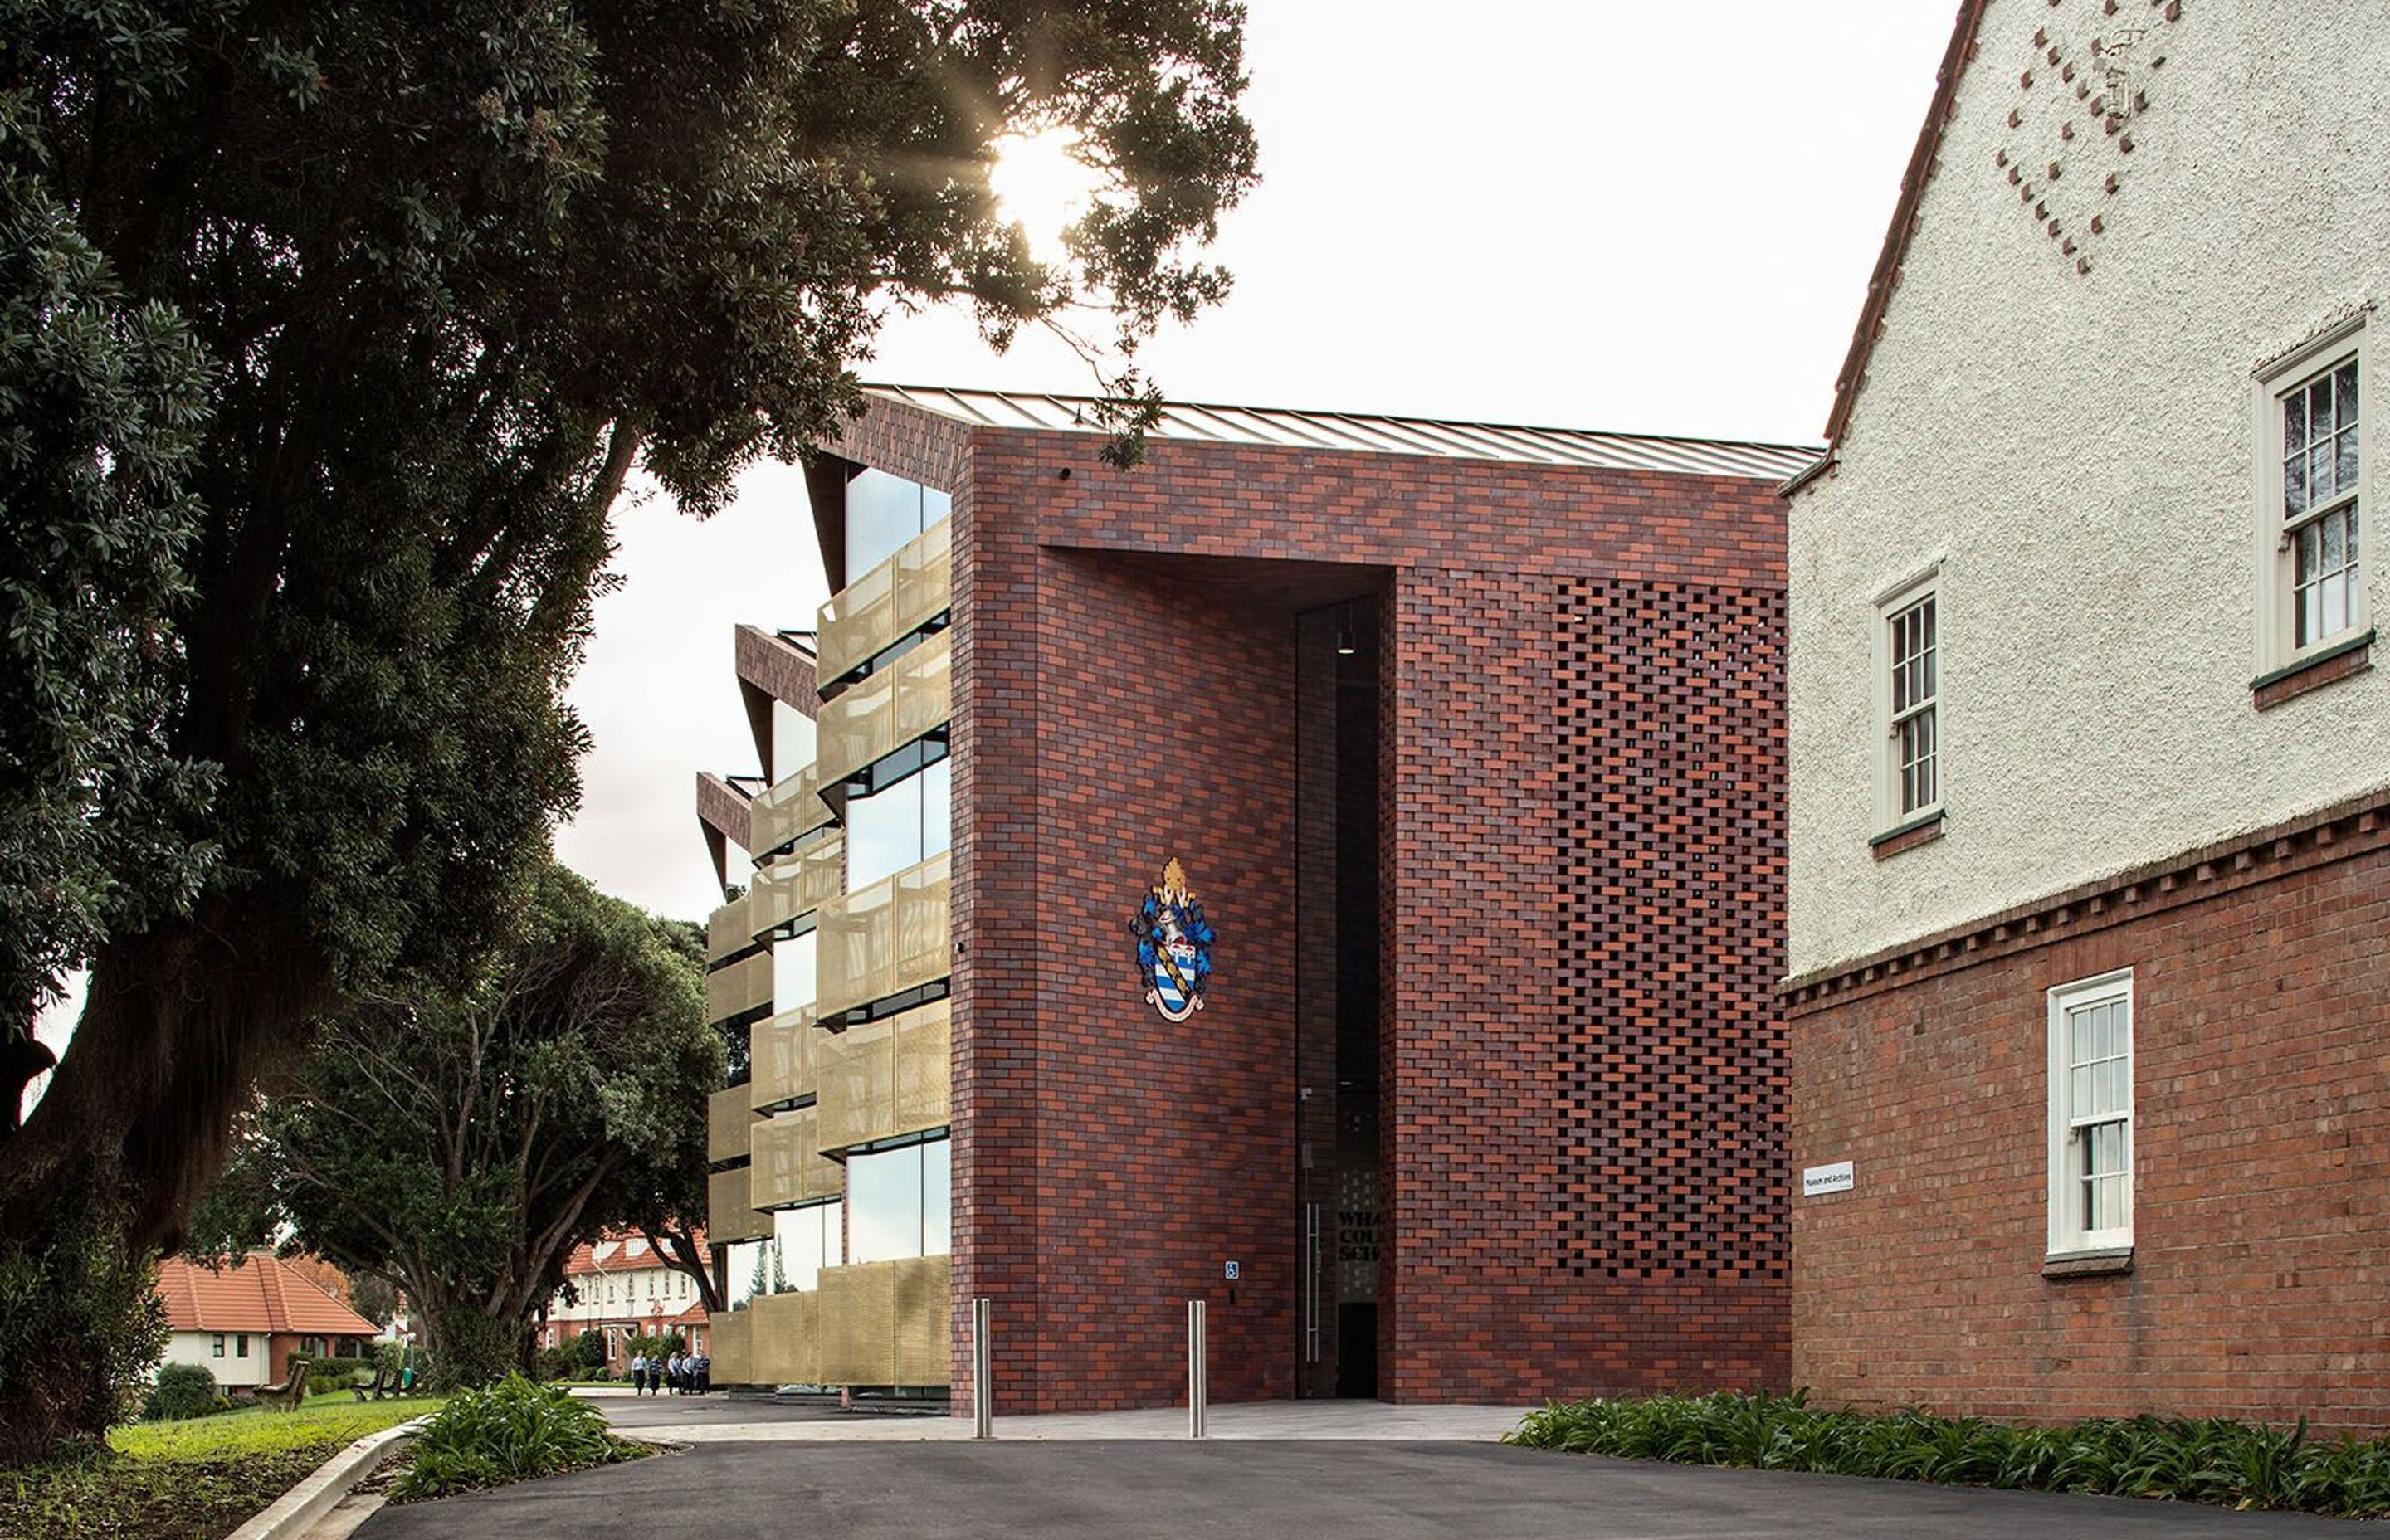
(2089, 910)
(1466, 740)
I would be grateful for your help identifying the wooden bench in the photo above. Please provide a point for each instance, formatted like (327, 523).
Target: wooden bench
(290, 1393)
(383, 1384)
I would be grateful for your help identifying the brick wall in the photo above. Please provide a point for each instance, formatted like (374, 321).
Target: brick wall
(1117, 703)
(1583, 1133)
(2262, 1209)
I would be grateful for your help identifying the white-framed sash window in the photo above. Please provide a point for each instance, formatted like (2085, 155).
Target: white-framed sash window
(2313, 466)
(2091, 1115)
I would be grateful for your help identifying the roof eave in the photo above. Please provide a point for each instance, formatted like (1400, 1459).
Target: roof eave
(1886, 276)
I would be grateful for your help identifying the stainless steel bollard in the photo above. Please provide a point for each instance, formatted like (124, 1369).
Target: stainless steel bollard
(982, 1405)
(1196, 1392)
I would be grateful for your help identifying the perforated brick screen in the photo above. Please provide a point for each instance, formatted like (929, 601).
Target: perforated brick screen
(1672, 846)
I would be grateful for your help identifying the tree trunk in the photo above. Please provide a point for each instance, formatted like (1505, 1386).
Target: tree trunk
(469, 1347)
(135, 1124)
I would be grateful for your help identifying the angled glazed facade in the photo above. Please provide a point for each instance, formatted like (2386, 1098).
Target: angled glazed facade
(1332, 871)
(2090, 795)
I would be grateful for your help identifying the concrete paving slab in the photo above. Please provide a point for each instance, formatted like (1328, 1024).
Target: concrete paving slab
(1318, 1491)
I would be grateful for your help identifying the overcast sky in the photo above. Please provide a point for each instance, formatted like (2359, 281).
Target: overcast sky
(1560, 212)
(1586, 215)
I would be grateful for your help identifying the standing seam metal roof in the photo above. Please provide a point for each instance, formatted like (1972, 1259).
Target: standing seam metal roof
(1371, 434)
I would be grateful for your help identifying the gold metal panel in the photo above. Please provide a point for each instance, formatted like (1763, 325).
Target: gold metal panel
(728, 930)
(738, 988)
(882, 713)
(798, 883)
(820, 874)
(924, 1321)
(857, 1084)
(728, 1117)
(923, 1060)
(890, 937)
(733, 1363)
(885, 1078)
(791, 807)
(886, 603)
(730, 1211)
(785, 1054)
(856, 1318)
(789, 1164)
(783, 1329)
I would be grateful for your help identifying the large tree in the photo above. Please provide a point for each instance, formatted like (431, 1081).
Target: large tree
(453, 268)
(464, 1140)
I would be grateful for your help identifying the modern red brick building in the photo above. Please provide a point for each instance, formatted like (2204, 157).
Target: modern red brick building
(2089, 915)
(1453, 751)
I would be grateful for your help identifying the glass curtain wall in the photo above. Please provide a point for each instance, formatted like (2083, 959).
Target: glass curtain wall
(804, 1241)
(884, 514)
(897, 1200)
(899, 826)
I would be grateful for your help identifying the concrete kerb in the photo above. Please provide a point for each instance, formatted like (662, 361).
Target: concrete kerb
(297, 1510)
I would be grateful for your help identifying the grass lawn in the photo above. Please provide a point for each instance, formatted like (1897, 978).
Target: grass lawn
(195, 1480)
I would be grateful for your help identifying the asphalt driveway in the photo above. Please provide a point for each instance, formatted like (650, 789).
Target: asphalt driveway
(1348, 1490)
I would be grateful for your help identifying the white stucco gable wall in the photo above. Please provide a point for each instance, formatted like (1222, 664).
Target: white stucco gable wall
(2074, 449)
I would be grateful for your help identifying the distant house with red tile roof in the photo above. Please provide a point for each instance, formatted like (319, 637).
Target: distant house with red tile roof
(620, 1286)
(243, 1322)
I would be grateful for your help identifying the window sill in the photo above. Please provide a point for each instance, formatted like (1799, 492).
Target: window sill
(1908, 836)
(2087, 1264)
(2325, 666)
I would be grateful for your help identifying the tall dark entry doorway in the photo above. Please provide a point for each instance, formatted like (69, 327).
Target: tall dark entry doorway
(1337, 826)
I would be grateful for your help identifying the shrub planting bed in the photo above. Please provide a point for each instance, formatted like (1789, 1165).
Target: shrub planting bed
(514, 1430)
(199, 1479)
(2213, 1460)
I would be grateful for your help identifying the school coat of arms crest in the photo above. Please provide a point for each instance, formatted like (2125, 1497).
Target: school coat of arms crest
(1173, 946)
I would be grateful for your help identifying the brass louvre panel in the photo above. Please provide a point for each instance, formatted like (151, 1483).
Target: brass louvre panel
(887, 603)
(924, 1320)
(798, 883)
(728, 1119)
(726, 929)
(793, 807)
(882, 1079)
(884, 711)
(730, 1212)
(789, 1165)
(856, 1316)
(785, 1051)
(739, 988)
(890, 937)
(923, 1058)
(820, 874)
(732, 1362)
(782, 1331)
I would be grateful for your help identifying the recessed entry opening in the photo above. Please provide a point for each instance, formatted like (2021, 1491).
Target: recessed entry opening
(1337, 930)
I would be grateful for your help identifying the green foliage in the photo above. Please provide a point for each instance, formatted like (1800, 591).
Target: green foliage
(466, 1139)
(2212, 1460)
(103, 398)
(325, 1379)
(513, 1430)
(557, 1363)
(172, 1480)
(663, 1346)
(587, 1350)
(329, 335)
(80, 1287)
(181, 1390)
